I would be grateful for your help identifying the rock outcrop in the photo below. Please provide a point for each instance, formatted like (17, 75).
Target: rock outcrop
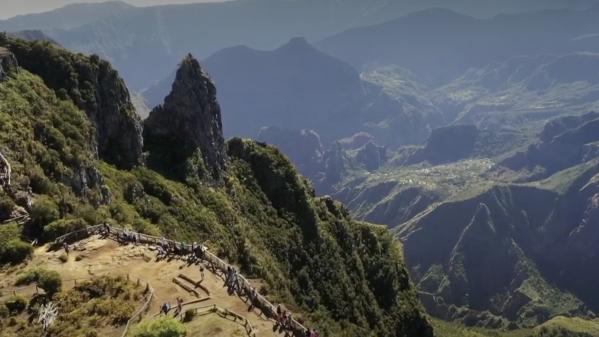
(184, 135)
(448, 144)
(372, 156)
(95, 87)
(8, 63)
(564, 142)
(303, 147)
(118, 127)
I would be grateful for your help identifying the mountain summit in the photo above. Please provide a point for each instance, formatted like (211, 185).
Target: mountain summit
(186, 131)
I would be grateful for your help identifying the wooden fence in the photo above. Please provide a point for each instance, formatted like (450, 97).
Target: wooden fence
(143, 309)
(263, 304)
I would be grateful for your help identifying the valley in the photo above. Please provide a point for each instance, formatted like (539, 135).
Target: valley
(385, 168)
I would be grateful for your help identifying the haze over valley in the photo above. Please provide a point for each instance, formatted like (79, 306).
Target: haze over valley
(376, 168)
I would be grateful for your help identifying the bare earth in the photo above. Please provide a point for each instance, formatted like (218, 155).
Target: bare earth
(99, 257)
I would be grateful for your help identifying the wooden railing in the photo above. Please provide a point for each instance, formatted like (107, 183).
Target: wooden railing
(213, 308)
(263, 304)
(20, 220)
(5, 171)
(143, 309)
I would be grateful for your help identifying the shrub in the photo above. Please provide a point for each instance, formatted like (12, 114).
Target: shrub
(44, 211)
(63, 258)
(162, 327)
(6, 206)
(4, 312)
(48, 280)
(189, 315)
(62, 227)
(15, 252)
(15, 305)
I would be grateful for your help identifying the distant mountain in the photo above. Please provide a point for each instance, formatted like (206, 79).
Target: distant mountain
(563, 143)
(493, 242)
(522, 92)
(511, 254)
(440, 45)
(69, 16)
(137, 39)
(298, 87)
(32, 35)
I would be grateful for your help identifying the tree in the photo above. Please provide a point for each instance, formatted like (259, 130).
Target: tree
(162, 327)
(48, 280)
(15, 252)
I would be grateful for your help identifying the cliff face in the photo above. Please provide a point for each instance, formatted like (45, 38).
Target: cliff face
(184, 135)
(8, 63)
(96, 88)
(563, 143)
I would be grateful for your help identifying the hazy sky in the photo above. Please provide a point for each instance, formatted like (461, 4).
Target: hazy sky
(10, 8)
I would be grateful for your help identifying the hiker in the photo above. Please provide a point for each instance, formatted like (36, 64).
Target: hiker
(252, 298)
(202, 273)
(228, 276)
(201, 252)
(165, 308)
(179, 306)
(278, 314)
(66, 247)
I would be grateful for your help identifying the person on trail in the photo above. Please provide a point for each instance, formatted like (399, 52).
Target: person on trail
(165, 308)
(159, 253)
(202, 273)
(252, 298)
(179, 306)
(228, 276)
(278, 314)
(66, 247)
(201, 252)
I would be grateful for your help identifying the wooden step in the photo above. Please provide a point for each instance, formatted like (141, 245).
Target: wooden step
(186, 287)
(197, 284)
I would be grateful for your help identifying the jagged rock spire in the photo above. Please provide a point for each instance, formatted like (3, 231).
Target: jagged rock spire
(8, 62)
(184, 135)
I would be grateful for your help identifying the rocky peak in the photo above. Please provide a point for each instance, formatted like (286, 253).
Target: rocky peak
(8, 62)
(372, 156)
(184, 135)
(95, 87)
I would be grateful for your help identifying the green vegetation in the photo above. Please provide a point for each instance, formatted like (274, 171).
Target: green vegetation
(12, 249)
(345, 277)
(15, 305)
(46, 279)
(559, 326)
(15, 252)
(162, 327)
(89, 309)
